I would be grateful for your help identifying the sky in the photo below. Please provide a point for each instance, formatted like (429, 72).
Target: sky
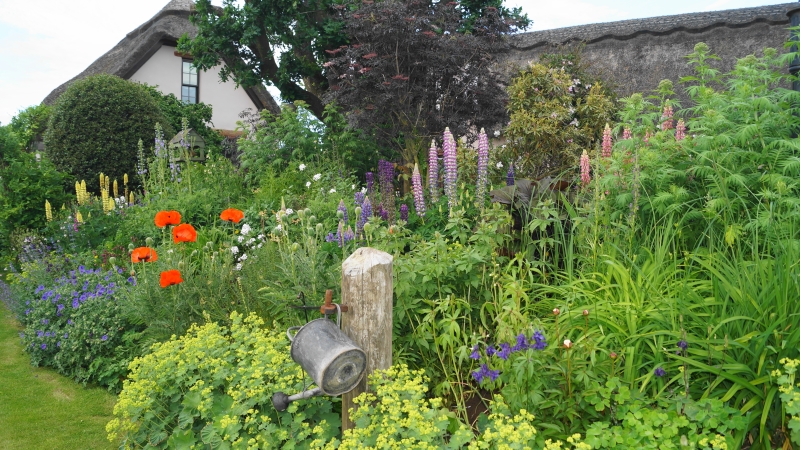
(44, 43)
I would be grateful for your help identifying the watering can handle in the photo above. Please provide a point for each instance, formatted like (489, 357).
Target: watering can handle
(289, 333)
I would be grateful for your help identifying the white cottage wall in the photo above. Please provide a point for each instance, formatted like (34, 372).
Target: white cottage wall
(163, 69)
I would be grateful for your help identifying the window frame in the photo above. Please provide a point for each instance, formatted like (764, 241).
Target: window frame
(196, 86)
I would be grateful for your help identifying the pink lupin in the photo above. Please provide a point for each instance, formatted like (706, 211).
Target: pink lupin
(607, 142)
(680, 130)
(585, 167)
(666, 117)
(433, 172)
(627, 134)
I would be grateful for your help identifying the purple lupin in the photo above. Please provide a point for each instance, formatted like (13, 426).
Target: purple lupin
(483, 168)
(450, 169)
(433, 172)
(416, 186)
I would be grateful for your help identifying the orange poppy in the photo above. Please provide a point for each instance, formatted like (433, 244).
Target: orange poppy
(164, 218)
(170, 277)
(184, 233)
(232, 215)
(143, 254)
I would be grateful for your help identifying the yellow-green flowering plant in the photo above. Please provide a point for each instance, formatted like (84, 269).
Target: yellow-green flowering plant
(790, 395)
(213, 388)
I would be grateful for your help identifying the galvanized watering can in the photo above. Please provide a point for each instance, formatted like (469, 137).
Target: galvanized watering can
(333, 360)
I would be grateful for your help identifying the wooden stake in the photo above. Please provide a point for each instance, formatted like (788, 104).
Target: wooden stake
(367, 289)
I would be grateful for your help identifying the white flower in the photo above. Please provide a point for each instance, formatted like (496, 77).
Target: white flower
(317, 177)
(244, 257)
(353, 187)
(499, 165)
(302, 167)
(496, 133)
(332, 191)
(169, 251)
(308, 184)
(245, 229)
(240, 238)
(234, 249)
(567, 343)
(363, 190)
(260, 236)
(259, 245)
(239, 266)
(250, 242)
(278, 228)
(289, 211)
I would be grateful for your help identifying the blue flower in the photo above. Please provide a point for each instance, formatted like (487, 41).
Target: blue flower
(659, 372)
(485, 372)
(44, 346)
(132, 281)
(104, 338)
(75, 303)
(490, 351)
(683, 345)
(505, 351)
(522, 343)
(40, 334)
(475, 353)
(540, 343)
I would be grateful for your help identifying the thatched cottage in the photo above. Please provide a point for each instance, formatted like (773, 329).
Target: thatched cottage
(149, 55)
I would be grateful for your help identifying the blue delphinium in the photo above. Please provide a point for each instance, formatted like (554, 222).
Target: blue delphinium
(659, 372)
(503, 351)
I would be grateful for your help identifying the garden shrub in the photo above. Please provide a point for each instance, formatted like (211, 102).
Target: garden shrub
(213, 387)
(197, 116)
(73, 322)
(558, 109)
(30, 123)
(26, 182)
(96, 124)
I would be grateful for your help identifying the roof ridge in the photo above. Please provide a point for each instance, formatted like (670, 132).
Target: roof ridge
(623, 29)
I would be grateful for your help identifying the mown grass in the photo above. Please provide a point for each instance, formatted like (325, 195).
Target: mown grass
(40, 409)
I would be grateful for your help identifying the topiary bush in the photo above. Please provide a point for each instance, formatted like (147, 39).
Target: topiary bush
(96, 124)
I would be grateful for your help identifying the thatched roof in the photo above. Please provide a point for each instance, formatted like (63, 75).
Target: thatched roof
(636, 54)
(139, 45)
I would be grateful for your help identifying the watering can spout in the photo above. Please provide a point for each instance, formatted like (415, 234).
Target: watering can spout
(281, 401)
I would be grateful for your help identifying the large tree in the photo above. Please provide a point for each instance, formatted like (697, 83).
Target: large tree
(286, 42)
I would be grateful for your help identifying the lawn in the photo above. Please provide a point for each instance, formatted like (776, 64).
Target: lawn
(40, 409)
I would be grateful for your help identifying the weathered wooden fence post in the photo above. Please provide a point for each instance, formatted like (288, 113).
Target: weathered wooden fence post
(367, 291)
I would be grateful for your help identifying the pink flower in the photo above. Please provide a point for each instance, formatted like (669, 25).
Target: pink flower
(680, 130)
(626, 134)
(585, 177)
(483, 165)
(450, 169)
(666, 117)
(433, 172)
(416, 184)
(607, 142)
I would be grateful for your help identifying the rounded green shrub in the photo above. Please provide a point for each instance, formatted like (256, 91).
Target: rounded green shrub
(96, 124)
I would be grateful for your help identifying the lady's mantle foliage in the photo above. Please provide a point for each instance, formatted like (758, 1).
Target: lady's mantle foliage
(214, 386)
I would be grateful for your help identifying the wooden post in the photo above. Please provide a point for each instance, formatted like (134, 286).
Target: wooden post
(367, 291)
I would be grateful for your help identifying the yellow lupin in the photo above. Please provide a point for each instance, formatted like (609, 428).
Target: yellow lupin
(116, 188)
(79, 217)
(48, 211)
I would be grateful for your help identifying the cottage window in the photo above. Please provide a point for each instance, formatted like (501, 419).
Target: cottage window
(189, 83)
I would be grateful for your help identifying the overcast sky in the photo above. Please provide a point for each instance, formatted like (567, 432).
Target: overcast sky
(44, 43)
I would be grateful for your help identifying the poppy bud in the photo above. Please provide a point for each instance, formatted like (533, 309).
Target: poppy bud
(149, 241)
(312, 219)
(131, 247)
(340, 214)
(585, 312)
(301, 213)
(181, 265)
(613, 355)
(307, 211)
(358, 211)
(319, 228)
(556, 311)
(112, 261)
(194, 253)
(295, 247)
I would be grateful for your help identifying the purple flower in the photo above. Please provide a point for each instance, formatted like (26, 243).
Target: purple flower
(44, 346)
(383, 213)
(485, 372)
(683, 345)
(416, 185)
(659, 372)
(132, 281)
(539, 341)
(475, 353)
(522, 343)
(370, 183)
(75, 303)
(510, 175)
(490, 351)
(70, 322)
(483, 166)
(404, 212)
(505, 351)
(450, 169)
(433, 172)
(386, 177)
(366, 213)
(358, 198)
(343, 210)
(104, 337)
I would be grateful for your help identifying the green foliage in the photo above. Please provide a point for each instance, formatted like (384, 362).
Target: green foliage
(296, 136)
(198, 116)
(214, 387)
(73, 322)
(96, 124)
(557, 110)
(26, 181)
(31, 123)
(703, 425)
